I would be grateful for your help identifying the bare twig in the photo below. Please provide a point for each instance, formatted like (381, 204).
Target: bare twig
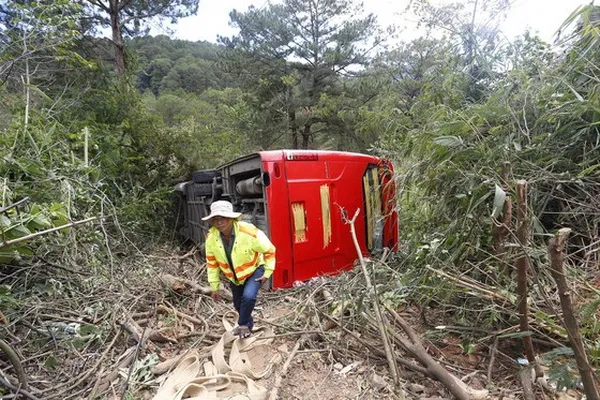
(493, 351)
(283, 372)
(13, 205)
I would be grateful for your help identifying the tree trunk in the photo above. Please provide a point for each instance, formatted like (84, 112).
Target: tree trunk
(522, 269)
(117, 37)
(556, 248)
(292, 124)
(306, 135)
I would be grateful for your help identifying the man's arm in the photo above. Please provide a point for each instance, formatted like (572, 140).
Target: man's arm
(212, 268)
(264, 246)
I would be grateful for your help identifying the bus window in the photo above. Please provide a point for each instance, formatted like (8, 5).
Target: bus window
(373, 215)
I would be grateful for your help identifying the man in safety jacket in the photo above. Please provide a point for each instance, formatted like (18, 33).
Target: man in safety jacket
(243, 253)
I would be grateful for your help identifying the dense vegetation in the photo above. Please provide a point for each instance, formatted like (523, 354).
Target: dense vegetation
(97, 128)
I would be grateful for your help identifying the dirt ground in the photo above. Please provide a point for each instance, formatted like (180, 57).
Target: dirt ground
(313, 373)
(321, 370)
(334, 370)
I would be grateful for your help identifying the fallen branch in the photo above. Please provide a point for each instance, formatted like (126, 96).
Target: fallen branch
(556, 248)
(458, 388)
(286, 365)
(44, 232)
(527, 383)
(166, 310)
(493, 351)
(16, 363)
(373, 294)
(375, 350)
(179, 284)
(142, 335)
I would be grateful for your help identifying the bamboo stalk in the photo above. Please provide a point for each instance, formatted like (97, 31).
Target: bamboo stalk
(523, 267)
(44, 232)
(556, 247)
(371, 290)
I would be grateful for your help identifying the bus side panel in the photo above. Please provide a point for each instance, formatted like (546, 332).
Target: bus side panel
(321, 241)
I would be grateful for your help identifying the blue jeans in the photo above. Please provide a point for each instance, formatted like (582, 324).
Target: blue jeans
(244, 297)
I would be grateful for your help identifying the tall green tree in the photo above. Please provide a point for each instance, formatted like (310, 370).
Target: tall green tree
(312, 45)
(38, 44)
(131, 18)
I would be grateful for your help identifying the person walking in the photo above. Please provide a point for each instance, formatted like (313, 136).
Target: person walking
(244, 254)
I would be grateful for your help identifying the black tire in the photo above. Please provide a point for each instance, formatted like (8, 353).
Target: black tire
(202, 189)
(205, 175)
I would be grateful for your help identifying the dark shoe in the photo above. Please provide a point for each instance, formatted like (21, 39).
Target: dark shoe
(244, 332)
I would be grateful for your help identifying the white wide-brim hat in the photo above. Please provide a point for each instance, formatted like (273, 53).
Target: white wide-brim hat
(222, 208)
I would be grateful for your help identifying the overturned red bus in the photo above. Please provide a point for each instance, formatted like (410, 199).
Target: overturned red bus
(297, 197)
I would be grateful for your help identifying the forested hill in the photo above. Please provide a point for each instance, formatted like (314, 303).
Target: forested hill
(168, 65)
(495, 143)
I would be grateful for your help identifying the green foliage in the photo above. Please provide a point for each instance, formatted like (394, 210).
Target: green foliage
(563, 375)
(168, 65)
(205, 130)
(539, 116)
(135, 16)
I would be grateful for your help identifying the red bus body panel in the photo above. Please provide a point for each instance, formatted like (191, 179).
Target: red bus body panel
(300, 182)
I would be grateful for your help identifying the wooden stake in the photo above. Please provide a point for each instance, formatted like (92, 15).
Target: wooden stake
(556, 248)
(523, 266)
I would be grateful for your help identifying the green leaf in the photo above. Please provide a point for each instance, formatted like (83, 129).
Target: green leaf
(449, 141)
(20, 231)
(41, 221)
(25, 251)
(590, 309)
(6, 256)
(5, 221)
(86, 330)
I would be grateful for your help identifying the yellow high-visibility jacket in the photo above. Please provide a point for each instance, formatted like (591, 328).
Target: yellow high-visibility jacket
(251, 249)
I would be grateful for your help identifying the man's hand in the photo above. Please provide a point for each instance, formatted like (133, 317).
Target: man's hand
(216, 295)
(262, 279)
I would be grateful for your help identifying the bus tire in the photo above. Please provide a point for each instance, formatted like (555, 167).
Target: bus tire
(205, 175)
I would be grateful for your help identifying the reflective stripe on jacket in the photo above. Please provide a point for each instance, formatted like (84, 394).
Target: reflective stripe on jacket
(251, 249)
